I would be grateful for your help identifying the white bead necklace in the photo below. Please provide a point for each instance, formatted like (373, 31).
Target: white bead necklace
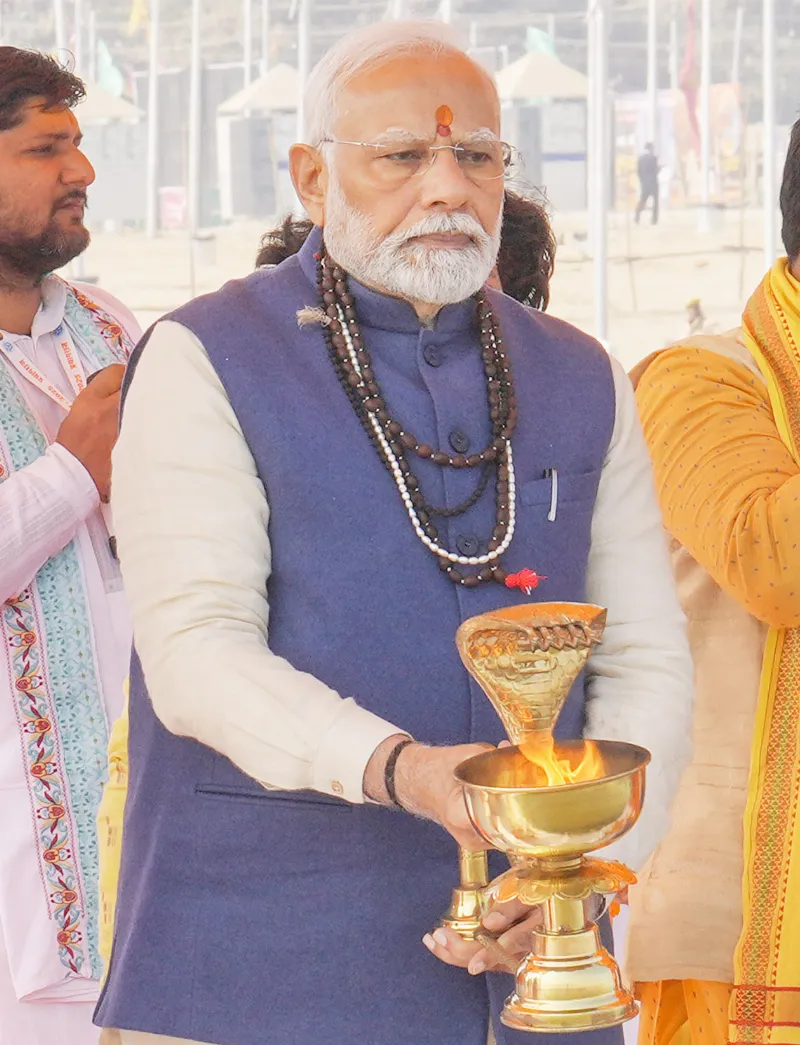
(399, 478)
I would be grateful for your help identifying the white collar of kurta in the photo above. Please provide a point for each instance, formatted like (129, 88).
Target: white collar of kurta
(50, 313)
(49, 319)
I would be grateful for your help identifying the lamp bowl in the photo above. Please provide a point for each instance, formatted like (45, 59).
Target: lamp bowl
(514, 813)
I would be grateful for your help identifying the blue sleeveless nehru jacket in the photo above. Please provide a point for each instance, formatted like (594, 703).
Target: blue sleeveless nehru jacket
(255, 917)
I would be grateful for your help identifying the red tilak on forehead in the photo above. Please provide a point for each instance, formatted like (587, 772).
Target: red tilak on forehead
(444, 117)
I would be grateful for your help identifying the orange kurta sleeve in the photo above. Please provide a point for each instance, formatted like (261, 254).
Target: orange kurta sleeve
(728, 487)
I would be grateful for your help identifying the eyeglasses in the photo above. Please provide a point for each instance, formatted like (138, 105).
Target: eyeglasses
(392, 163)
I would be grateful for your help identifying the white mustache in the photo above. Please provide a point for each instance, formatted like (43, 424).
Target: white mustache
(436, 224)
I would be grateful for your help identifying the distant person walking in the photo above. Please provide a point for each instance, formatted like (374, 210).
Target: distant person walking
(696, 320)
(648, 182)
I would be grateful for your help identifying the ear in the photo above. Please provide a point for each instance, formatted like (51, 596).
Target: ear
(309, 178)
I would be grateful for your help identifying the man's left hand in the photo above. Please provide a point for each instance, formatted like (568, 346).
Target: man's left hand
(514, 921)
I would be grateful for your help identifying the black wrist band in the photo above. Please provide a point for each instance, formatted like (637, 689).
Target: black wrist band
(388, 773)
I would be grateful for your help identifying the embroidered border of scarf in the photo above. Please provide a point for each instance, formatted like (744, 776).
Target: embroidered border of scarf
(59, 708)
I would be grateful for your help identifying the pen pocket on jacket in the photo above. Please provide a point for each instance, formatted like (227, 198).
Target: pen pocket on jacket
(557, 490)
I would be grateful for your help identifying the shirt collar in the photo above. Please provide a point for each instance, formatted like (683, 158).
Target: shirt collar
(50, 314)
(382, 312)
(51, 311)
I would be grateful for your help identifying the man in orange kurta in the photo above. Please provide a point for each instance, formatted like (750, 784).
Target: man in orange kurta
(714, 939)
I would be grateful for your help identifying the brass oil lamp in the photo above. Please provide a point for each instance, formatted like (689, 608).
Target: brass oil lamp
(547, 805)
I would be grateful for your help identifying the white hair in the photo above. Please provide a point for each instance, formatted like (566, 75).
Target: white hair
(367, 48)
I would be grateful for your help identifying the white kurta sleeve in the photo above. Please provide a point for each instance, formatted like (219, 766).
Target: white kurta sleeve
(41, 508)
(191, 517)
(640, 679)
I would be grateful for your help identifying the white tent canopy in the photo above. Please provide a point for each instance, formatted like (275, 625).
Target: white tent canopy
(99, 107)
(275, 91)
(538, 75)
(272, 97)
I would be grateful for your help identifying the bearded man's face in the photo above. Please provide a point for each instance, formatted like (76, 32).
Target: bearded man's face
(427, 232)
(43, 181)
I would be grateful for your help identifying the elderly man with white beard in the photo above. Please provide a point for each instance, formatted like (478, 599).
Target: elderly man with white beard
(323, 469)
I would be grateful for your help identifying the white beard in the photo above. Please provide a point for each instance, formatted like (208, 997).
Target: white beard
(413, 272)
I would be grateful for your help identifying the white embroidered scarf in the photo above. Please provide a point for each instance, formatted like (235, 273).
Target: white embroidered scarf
(55, 682)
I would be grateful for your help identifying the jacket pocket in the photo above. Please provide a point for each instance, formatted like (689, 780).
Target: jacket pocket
(571, 487)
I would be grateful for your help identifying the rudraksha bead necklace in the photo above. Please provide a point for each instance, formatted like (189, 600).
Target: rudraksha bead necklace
(353, 366)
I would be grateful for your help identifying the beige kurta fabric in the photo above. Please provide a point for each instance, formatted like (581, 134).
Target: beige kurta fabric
(686, 911)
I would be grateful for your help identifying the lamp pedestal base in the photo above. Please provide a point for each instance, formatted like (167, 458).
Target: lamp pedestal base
(569, 982)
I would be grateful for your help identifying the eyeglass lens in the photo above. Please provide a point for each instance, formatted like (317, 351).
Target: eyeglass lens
(479, 161)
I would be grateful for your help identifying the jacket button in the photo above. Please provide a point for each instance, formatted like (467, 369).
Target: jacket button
(432, 355)
(467, 544)
(459, 441)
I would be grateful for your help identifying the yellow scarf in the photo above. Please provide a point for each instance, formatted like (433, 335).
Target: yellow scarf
(765, 1005)
(110, 817)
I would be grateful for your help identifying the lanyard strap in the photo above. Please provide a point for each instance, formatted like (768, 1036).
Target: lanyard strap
(69, 356)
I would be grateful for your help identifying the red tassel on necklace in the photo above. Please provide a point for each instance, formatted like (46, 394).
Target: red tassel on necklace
(526, 580)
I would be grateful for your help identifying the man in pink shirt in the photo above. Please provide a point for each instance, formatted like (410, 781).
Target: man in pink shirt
(64, 631)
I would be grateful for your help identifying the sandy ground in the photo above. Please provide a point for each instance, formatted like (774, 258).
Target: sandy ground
(652, 272)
